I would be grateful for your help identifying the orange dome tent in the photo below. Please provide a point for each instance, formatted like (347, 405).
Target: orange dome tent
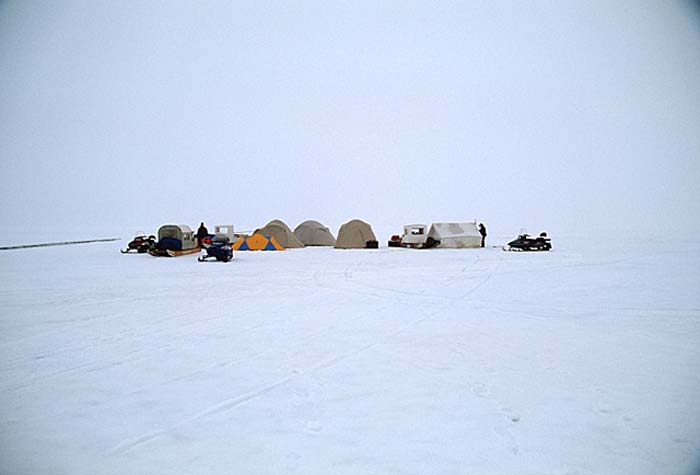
(257, 242)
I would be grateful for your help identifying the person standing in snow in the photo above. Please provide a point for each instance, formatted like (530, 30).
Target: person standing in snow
(202, 232)
(482, 231)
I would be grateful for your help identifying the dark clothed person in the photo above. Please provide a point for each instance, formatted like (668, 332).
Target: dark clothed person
(482, 231)
(202, 232)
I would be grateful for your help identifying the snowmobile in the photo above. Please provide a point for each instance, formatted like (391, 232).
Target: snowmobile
(395, 241)
(219, 249)
(525, 242)
(141, 244)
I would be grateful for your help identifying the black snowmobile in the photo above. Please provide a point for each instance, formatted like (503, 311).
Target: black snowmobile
(219, 249)
(141, 244)
(525, 242)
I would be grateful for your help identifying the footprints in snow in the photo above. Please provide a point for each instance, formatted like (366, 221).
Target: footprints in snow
(605, 408)
(481, 390)
(514, 417)
(503, 428)
(314, 426)
(305, 404)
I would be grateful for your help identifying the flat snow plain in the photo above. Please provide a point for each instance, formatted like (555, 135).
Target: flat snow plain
(585, 360)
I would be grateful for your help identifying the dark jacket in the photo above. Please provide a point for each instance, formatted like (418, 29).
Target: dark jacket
(202, 231)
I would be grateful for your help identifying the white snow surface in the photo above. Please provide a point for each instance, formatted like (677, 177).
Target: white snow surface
(584, 360)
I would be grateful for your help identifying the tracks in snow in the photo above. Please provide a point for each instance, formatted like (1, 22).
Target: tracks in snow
(232, 403)
(397, 296)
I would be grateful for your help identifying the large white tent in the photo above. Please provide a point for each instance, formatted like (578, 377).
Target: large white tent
(456, 235)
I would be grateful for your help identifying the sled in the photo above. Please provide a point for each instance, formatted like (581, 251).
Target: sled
(172, 253)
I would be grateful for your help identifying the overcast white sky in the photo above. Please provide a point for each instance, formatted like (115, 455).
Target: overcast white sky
(567, 116)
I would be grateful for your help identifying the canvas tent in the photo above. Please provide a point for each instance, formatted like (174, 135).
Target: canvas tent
(313, 233)
(456, 235)
(257, 242)
(355, 234)
(281, 232)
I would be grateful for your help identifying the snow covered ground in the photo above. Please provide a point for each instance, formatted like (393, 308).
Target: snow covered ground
(585, 360)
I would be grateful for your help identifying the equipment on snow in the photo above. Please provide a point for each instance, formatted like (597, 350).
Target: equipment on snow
(141, 244)
(174, 240)
(431, 242)
(414, 236)
(525, 242)
(183, 252)
(395, 241)
(447, 235)
(154, 251)
(205, 241)
(219, 249)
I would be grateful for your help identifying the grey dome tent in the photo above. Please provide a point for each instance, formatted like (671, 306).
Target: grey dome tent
(355, 234)
(281, 232)
(313, 233)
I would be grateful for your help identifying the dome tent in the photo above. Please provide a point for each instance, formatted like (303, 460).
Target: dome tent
(257, 242)
(356, 234)
(281, 232)
(313, 233)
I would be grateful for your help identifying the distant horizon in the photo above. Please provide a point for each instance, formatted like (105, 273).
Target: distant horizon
(570, 118)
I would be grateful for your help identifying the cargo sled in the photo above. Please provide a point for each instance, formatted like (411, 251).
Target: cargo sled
(174, 240)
